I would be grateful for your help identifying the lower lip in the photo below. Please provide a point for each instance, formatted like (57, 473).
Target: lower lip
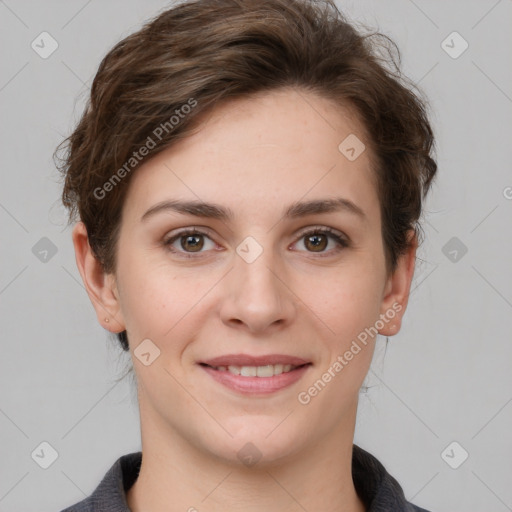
(256, 385)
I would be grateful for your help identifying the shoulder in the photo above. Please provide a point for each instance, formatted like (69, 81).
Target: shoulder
(376, 487)
(110, 494)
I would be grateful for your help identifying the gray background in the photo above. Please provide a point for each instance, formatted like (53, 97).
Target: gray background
(446, 376)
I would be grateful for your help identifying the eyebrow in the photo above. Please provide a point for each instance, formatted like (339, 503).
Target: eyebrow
(215, 211)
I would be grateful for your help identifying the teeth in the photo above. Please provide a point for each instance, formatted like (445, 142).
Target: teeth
(248, 371)
(257, 371)
(265, 371)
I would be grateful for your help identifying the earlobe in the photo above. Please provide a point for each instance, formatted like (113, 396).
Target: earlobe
(397, 290)
(100, 287)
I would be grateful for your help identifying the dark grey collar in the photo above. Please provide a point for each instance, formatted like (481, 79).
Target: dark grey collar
(375, 486)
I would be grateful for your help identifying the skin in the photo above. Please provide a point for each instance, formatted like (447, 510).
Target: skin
(254, 155)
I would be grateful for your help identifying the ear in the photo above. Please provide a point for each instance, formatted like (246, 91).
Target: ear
(100, 287)
(397, 289)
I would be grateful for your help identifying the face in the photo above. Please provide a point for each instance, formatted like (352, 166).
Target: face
(282, 273)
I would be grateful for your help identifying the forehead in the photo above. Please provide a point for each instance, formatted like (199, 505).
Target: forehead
(271, 147)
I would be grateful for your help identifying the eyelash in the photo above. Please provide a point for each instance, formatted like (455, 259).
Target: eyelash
(340, 240)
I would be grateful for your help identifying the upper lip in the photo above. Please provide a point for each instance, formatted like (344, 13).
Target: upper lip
(247, 360)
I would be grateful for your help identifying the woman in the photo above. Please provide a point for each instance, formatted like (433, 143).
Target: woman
(248, 179)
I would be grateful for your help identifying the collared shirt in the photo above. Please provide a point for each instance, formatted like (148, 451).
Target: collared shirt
(378, 490)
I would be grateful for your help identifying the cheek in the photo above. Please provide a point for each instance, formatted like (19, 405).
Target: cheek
(149, 300)
(161, 302)
(346, 300)
(349, 306)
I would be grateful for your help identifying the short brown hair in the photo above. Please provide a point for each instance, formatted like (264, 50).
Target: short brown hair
(203, 52)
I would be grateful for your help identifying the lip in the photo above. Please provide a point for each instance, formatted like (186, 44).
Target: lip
(255, 385)
(248, 360)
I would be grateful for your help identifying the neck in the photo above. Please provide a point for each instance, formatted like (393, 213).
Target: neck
(176, 476)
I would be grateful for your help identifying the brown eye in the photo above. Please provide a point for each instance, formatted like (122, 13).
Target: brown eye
(192, 243)
(323, 241)
(189, 242)
(316, 242)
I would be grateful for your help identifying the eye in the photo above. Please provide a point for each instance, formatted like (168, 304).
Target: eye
(188, 241)
(316, 240)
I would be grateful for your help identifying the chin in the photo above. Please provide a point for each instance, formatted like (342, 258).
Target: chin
(257, 441)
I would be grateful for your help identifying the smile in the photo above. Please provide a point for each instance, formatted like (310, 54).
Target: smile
(256, 379)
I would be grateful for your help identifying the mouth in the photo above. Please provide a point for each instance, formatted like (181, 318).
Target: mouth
(256, 375)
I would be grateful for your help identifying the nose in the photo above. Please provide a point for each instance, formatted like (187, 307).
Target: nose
(257, 296)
